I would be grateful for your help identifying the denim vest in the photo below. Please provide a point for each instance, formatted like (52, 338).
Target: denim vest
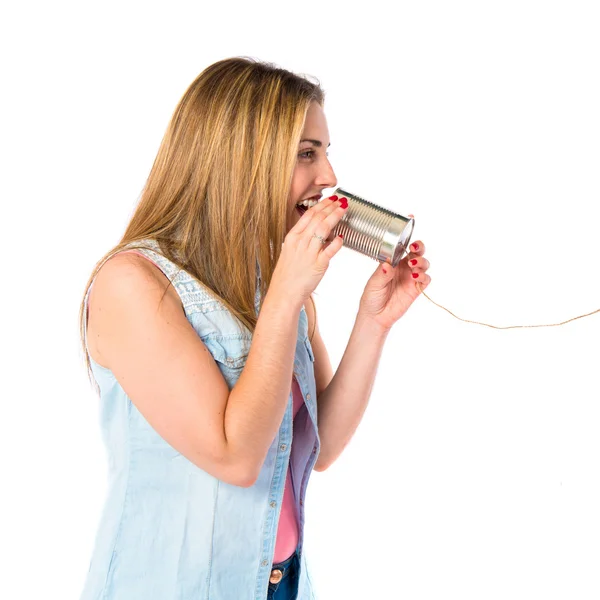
(169, 530)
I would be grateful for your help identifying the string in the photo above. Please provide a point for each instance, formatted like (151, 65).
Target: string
(499, 327)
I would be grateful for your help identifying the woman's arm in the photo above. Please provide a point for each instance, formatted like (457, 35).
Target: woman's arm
(342, 398)
(172, 378)
(389, 293)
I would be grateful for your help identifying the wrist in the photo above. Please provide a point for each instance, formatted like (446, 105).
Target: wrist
(371, 325)
(278, 295)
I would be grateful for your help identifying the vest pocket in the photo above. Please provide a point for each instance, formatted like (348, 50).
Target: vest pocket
(230, 354)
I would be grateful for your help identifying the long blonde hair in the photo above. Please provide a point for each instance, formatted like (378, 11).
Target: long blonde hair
(216, 198)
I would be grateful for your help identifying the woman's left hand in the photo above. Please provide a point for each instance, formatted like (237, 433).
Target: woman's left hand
(390, 291)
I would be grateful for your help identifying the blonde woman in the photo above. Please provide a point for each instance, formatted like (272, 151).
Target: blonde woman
(218, 398)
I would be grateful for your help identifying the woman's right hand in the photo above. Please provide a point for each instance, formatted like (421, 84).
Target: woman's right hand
(304, 258)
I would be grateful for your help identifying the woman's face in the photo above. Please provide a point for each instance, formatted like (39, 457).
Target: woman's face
(313, 172)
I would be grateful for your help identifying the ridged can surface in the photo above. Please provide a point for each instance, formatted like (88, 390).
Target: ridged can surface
(373, 230)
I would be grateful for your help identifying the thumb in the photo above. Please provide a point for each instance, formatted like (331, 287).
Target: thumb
(382, 275)
(385, 271)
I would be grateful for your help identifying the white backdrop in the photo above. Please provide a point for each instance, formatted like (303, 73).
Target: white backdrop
(476, 470)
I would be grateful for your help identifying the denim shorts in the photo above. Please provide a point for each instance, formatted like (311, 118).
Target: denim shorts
(286, 576)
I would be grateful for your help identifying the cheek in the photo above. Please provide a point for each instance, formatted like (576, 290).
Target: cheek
(294, 189)
(300, 181)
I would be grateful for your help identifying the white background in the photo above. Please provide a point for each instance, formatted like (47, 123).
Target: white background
(476, 470)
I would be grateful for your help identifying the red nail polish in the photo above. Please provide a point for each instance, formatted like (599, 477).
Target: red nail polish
(415, 275)
(340, 235)
(344, 202)
(413, 262)
(334, 198)
(415, 246)
(384, 270)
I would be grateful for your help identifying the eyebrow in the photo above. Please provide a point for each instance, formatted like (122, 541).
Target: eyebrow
(316, 143)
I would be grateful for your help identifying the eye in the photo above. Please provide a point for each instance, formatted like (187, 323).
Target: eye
(309, 154)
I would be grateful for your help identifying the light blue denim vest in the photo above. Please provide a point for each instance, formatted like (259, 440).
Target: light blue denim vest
(169, 530)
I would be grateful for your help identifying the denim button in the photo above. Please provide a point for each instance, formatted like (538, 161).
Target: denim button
(265, 563)
(273, 504)
(283, 447)
(276, 576)
(308, 396)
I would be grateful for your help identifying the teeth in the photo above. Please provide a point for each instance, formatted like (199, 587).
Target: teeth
(308, 203)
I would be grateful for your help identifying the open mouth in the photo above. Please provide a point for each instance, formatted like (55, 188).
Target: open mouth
(303, 206)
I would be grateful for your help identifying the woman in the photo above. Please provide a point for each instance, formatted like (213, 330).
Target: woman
(207, 353)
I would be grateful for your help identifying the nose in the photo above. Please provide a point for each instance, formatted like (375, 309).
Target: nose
(325, 177)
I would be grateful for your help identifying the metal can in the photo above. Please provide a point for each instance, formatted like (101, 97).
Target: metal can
(373, 230)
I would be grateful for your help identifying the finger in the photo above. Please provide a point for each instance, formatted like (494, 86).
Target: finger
(423, 281)
(417, 248)
(419, 262)
(326, 220)
(318, 227)
(330, 250)
(311, 213)
(420, 276)
(331, 218)
(317, 241)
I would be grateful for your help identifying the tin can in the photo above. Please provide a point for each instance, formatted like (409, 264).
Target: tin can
(374, 230)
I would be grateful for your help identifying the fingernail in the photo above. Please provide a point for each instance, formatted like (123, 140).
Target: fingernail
(334, 198)
(384, 270)
(415, 275)
(340, 235)
(415, 246)
(344, 202)
(413, 262)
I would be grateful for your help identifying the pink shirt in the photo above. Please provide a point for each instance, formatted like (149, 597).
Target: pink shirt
(287, 532)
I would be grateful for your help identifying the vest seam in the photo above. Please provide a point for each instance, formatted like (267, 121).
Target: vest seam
(177, 276)
(212, 541)
(125, 498)
(258, 576)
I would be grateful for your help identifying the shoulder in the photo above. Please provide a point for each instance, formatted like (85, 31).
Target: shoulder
(129, 274)
(126, 264)
(128, 288)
